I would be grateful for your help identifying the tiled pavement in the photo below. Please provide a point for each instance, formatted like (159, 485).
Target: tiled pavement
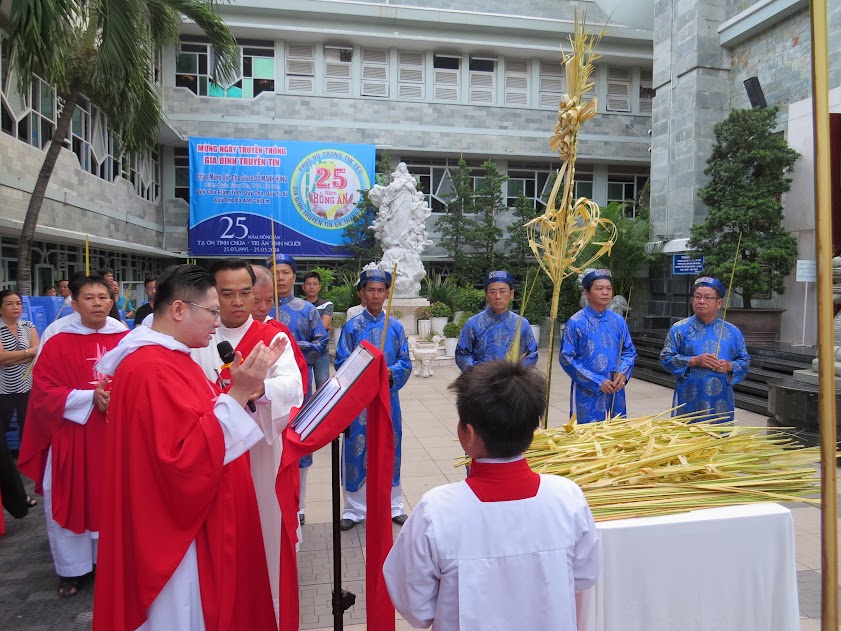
(27, 582)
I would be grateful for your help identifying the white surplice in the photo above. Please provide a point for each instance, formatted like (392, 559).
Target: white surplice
(284, 391)
(463, 564)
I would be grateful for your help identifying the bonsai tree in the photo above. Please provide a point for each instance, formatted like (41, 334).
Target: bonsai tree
(423, 313)
(748, 168)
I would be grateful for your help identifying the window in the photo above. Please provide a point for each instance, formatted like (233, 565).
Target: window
(446, 78)
(517, 82)
(36, 128)
(337, 71)
(410, 76)
(300, 68)
(143, 172)
(618, 89)
(482, 78)
(551, 84)
(646, 91)
(94, 144)
(433, 181)
(532, 180)
(181, 160)
(625, 188)
(583, 183)
(194, 67)
(374, 72)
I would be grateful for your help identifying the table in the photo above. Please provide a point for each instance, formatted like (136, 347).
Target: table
(722, 569)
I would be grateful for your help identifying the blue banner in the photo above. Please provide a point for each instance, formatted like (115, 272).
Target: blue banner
(682, 265)
(309, 190)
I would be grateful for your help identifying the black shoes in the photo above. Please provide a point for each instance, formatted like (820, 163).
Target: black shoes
(347, 524)
(400, 519)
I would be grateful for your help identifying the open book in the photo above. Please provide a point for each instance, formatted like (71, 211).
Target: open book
(331, 392)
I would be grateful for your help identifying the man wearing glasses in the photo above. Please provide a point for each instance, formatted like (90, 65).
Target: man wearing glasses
(487, 335)
(706, 354)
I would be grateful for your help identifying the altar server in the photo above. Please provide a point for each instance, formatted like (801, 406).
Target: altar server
(303, 320)
(281, 390)
(182, 548)
(63, 446)
(506, 548)
(706, 354)
(486, 336)
(597, 353)
(369, 326)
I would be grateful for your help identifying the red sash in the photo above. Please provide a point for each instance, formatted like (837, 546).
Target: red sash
(503, 481)
(371, 391)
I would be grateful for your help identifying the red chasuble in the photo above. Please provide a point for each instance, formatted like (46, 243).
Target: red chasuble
(371, 391)
(299, 356)
(166, 486)
(67, 363)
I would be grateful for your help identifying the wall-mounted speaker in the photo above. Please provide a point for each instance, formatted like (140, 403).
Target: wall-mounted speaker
(755, 95)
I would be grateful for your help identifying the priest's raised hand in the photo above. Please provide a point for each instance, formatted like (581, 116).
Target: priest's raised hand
(248, 375)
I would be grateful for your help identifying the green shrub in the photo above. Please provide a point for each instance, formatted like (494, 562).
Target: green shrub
(440, 310)
(452, 329)
(342, 297)
(423, 313)
(439, 289)
(471, 300)
(339, 321)
(537, 307)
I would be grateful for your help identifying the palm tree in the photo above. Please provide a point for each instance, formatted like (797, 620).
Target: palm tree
(103, 49)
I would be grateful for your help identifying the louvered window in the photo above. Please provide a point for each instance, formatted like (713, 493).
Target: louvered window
(300, 68)
(646, 91)
(482, 80)
(337, 70)
(374, 72)
(618, 89)
(446, 78)
(551, 83)
(410, 77)
(516, 82)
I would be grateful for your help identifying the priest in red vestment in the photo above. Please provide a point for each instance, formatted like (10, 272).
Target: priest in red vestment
(63, 447)
(282, 390)
(182, 548)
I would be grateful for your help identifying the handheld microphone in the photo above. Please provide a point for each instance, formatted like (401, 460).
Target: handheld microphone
(226, 352)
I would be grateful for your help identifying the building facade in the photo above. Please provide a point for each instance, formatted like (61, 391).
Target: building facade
(428, 82)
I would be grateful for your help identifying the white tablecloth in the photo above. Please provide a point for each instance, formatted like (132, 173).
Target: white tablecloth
(720, 569)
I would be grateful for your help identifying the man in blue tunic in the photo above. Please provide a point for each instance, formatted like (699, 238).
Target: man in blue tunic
(486, 336)
(303, 320)
(597, 353)
(706, 354)
(369, 326)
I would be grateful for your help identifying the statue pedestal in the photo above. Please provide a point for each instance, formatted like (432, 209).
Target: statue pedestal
(407, 307)
(811, 377)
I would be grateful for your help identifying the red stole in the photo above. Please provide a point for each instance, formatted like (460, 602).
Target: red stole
(371, 391)
(503, 481)
(299, 356)
(166, 486)
(67, 363)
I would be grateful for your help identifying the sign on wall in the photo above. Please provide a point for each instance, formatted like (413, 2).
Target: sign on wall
(310, 191)
(683, 265)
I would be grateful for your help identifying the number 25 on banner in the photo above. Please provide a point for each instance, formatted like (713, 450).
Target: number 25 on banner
(233, 226)
(323, 174)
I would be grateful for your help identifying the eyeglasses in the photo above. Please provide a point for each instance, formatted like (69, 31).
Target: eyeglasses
(705, 298)
(498, 292)
(216, 312)
(227, 294)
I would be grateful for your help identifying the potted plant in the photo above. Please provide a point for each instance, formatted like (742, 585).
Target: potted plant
(748, 168)
(423, 314)
(452, 330)
(440, 313)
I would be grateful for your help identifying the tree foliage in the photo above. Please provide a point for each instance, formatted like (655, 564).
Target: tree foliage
(520, 256)
(103, 49)
(485, 234)
(748, 168)
(631, 252)
(455, 226)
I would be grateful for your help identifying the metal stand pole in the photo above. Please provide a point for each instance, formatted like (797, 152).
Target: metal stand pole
(342, 599)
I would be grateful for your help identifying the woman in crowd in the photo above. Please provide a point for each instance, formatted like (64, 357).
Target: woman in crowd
(19, 345)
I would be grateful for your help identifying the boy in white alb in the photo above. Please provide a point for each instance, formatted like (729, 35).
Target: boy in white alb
(506, 548)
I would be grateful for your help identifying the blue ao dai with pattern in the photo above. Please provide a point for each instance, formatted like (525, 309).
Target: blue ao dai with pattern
(486, 337)
(591, 354)
(370, 328)
(700, 389)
